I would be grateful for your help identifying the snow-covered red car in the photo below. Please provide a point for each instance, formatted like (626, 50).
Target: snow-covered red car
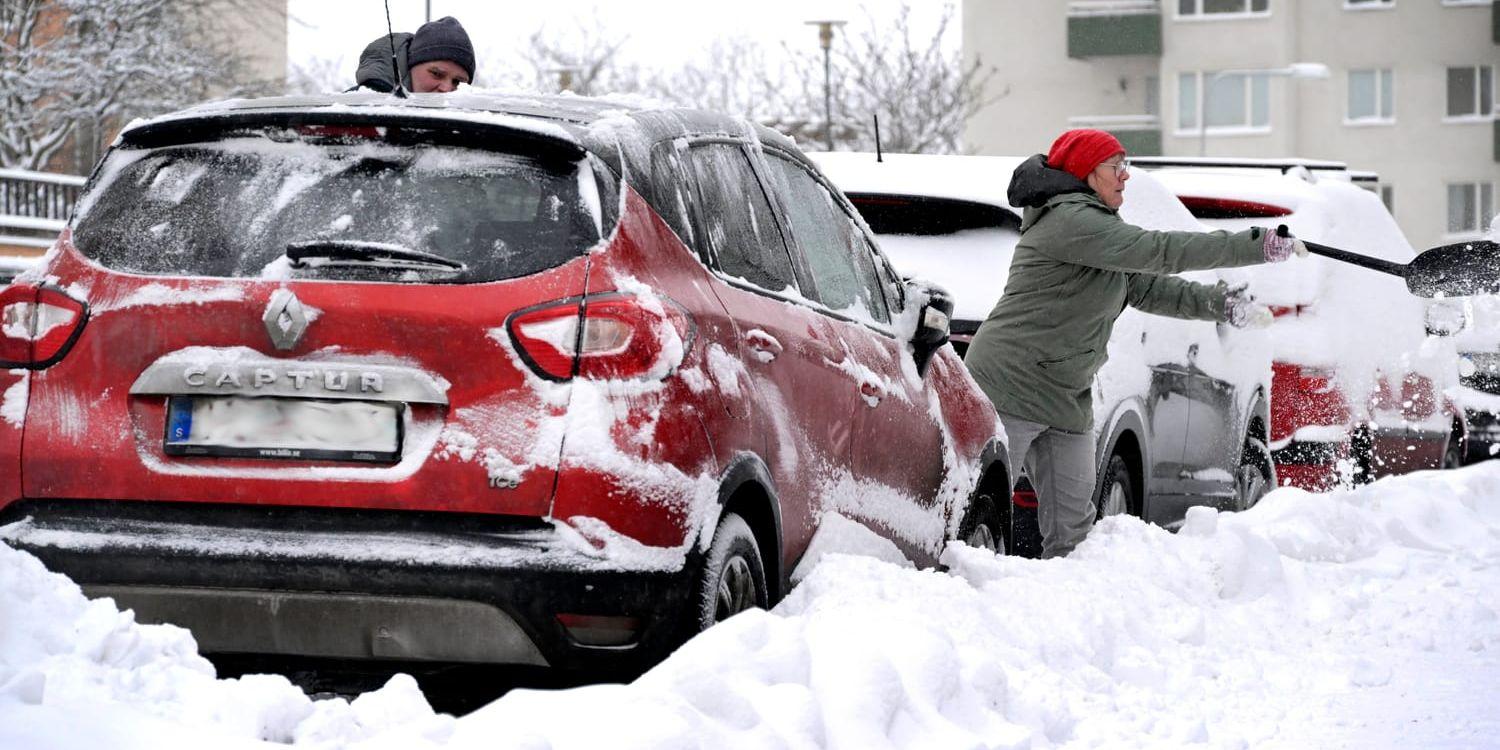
(471, 378)
(1355, 394)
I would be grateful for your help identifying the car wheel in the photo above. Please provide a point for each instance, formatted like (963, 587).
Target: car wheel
(733, 578)
(982, 526)
(1253, 478)
(1117, 493)
(1453, 455)
(1362, 450)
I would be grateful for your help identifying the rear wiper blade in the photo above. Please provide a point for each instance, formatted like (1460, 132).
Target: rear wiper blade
(360, 253)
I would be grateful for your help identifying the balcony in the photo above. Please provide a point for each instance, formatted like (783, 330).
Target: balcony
(34, 207)
(1139, 134)
(1102, 28)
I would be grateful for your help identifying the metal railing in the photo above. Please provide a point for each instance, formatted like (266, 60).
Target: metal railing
(1112, 7)
(38, 195)
(34, 207)
(1115, 122)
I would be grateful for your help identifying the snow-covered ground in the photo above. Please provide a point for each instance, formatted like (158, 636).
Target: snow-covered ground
(1358, 619)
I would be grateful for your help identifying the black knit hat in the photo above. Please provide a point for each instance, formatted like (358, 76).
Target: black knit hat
(443, 39)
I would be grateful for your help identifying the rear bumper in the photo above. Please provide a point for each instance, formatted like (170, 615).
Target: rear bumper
(359, 585)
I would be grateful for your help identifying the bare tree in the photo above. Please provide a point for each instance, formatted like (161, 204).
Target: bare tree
(920, 89)
(586, 60)
(73, 66)
(320, 75)
(734, 75)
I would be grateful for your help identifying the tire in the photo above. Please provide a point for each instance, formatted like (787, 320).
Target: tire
(1453, 454)
(1252, 480)
(983, 526)
(733, 578)
(1117, 491)
(1362, 450)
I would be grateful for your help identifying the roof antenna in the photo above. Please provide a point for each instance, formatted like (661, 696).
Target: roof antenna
(395, 66)
(879, 157)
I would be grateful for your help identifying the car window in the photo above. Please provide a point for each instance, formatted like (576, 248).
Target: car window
(735, 218)
(842, 262)
(235, 207)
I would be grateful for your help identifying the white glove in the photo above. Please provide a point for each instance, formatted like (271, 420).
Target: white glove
(1242, 311)
(1280, 245)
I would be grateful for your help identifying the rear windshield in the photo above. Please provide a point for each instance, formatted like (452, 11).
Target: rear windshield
(921, 215)
(360, 209)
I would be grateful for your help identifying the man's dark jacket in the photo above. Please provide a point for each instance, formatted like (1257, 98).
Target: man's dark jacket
(375, 70)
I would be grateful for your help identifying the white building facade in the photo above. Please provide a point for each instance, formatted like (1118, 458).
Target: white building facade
(1409, 93)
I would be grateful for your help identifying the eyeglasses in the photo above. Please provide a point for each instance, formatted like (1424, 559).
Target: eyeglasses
(1121, 169)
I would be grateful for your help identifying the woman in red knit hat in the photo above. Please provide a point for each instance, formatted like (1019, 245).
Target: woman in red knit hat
(1076, 267)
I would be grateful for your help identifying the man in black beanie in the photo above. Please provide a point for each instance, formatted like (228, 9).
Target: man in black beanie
(434, 60)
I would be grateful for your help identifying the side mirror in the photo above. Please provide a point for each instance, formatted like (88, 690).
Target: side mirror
(934, 311)
(1446, 318)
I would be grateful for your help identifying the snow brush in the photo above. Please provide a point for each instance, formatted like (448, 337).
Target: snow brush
(1458, 270)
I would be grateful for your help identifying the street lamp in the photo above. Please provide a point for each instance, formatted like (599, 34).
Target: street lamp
(825, 40)
(1300, 70)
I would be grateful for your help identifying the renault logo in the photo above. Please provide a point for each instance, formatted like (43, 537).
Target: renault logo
(285, 319)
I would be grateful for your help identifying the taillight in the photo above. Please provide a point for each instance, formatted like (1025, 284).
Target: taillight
(1024, 498)
(1229, 208)
(602, 337)
(38, 324)
(1315, 379)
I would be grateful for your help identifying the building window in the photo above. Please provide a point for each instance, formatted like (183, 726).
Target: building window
(1225, 101)
(1467, 2)
(1471, 91)
(1223, 7)
(1371, 96)
(1368, 4)
(1470, 206)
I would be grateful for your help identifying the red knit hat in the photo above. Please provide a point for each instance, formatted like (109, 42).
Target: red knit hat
(1078, 152)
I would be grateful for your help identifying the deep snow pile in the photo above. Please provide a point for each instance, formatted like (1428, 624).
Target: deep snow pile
(1365, 618)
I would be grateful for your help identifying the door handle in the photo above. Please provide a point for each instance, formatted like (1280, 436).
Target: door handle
(764, 345)
(872, 392)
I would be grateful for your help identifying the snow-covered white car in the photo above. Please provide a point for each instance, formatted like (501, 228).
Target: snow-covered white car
(1358, 389)
(1181, 409)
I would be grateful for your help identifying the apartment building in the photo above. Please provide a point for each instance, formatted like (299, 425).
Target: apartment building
(1404, 88)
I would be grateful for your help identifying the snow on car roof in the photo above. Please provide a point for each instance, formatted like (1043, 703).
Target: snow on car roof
(984, 179)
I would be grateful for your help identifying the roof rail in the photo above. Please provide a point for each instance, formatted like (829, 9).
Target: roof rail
(1285, 165)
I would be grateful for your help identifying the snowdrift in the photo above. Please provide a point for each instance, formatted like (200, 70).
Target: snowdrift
(1355, 618)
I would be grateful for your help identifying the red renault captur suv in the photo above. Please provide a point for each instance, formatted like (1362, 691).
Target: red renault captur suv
(471, 378)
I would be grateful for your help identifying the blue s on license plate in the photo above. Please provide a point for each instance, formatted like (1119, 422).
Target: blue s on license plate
(284, 428)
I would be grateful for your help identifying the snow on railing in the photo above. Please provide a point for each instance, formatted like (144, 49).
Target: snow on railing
(34, 207)
(37, 195)
(1116, 122)
(1113, 7)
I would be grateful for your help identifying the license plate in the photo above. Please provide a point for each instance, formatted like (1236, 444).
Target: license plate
(283, 428)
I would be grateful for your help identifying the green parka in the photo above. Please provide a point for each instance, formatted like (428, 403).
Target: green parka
(1077, 266)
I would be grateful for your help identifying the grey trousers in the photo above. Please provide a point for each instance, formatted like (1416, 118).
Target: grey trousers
(1061, 467)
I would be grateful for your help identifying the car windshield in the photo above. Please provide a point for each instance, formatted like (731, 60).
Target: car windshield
(235, 207)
